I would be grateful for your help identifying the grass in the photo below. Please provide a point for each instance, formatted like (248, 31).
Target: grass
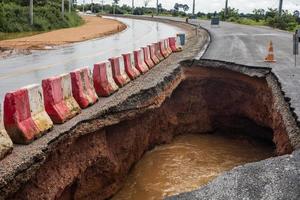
(8, 36)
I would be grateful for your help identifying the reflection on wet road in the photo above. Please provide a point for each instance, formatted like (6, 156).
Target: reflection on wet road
(21, 70)
(187, 163)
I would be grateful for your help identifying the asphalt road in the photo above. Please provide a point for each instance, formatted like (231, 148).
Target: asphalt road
(19, 71)
(248, 45)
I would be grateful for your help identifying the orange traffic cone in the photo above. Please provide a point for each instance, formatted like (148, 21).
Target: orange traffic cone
(270, 56)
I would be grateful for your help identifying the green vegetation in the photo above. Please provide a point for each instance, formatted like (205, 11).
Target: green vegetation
(14, 16)
(271, 17)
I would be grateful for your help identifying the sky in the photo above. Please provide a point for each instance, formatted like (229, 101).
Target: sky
(245, 6)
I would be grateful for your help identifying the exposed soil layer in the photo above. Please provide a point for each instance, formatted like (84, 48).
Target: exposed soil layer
(139, 95)
(197, 99)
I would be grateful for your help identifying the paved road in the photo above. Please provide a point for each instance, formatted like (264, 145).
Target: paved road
(247, 45)
(21, 70)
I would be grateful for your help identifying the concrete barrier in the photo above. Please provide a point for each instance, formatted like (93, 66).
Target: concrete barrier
(6, 144)
(158, 52)
(59, 101)
(181, 38)
(130, 69)
(118, 69)
(147, 57)
(24, 114)
(139, 61)
(173, 45)
(104, 83)
(153, 56)
(82, 87)
(167, 46)
(163, 49)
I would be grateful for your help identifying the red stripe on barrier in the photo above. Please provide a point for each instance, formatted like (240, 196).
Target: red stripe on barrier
(158, 52)
(104, 83)
(172, 43)
(139, 61)
(82, 88)
(153, 56)
(130, 69)
(17, 117)
(147, 57)
(169, 50)
(163, 49)
(118, 69)
(56, 102)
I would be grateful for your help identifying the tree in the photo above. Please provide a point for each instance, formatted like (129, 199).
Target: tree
(146, 3)
(63, 8)
(231, 13)
(259, 14)
(176, 7)
(159, 8)
(31, 12)
(115, 3)
(185, 7)
(271, 12)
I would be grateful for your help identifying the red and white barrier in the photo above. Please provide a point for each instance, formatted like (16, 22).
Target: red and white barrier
(24, 114)
(118, 69)
(140, 62)
(59, 101)
(173, 44)
(104, 83)
(153, 56)
(147, 57)
(82, 87)
(167, 46)
(158, 52)
(130, 69)
(163, 49)
(6, 144)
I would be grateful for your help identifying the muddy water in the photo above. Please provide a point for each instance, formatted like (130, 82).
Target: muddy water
(188, 162)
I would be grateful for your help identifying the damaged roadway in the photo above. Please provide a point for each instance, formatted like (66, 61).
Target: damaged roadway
(21, 166)
(274, 178)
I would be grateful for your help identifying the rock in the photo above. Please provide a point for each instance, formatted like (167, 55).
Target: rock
(6, 144)
(274, 178)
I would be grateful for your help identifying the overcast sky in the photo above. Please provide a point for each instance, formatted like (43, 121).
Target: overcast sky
(215, 5)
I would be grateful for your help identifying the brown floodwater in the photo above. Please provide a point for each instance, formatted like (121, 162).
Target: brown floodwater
(187, 163)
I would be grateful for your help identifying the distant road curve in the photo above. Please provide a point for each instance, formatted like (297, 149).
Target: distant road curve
(94, 27)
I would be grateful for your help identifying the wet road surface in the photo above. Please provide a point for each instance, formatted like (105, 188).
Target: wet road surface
(187, 163)
(21, 70)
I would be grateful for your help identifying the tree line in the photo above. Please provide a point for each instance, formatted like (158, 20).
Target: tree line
(15, 16)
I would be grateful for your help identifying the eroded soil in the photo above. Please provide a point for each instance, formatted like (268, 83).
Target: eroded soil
(95, 165)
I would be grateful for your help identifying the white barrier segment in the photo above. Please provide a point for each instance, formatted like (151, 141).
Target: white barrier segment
(109, 75)
(68, 95)
(37, 108)
(122, 69)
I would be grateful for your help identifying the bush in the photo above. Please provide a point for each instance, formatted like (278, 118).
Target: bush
(138, 11)
(15, 18)
(284, 22)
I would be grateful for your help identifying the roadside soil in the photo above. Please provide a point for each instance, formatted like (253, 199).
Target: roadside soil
(93, 27)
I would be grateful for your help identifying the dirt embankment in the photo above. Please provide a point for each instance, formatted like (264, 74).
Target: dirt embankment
(94, 27)
(195, 100)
